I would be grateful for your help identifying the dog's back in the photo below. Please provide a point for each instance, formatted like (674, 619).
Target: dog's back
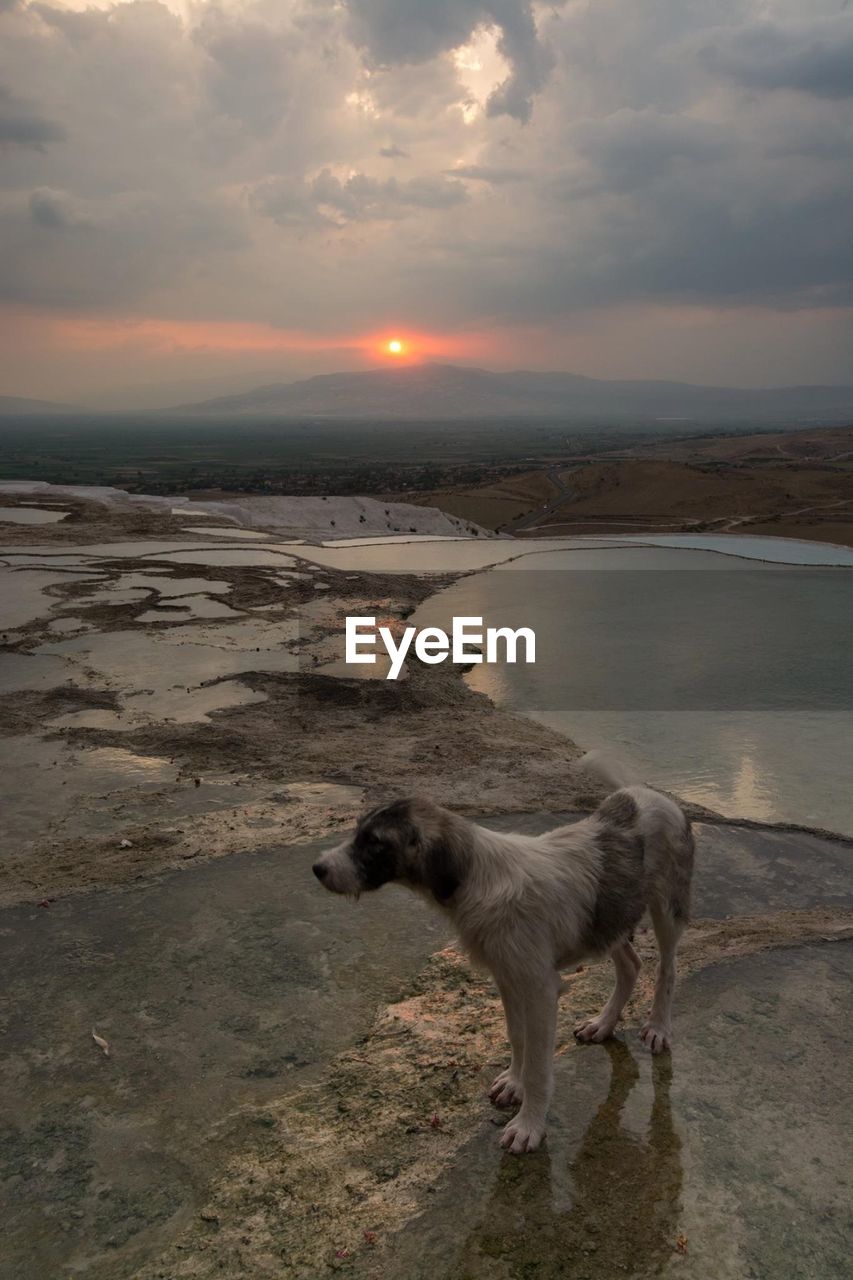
(668, 845)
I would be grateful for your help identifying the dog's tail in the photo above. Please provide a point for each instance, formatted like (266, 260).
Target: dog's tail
(602, 769)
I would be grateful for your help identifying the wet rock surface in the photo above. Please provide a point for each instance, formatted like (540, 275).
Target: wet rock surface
(244, 1109)
(727, 1159)
(211, 992)
(225, 994)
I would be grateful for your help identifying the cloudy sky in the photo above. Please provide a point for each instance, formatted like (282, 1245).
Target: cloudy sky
(197, 195)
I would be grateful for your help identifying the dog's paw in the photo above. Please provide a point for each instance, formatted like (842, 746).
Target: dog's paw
(656, 1038)
(506, 1090)
(594, 1030)
(520, 1136)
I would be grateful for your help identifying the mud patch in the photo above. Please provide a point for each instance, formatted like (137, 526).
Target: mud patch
(29, 710)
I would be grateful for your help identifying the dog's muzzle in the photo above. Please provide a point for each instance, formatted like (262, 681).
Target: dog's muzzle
(336, 872)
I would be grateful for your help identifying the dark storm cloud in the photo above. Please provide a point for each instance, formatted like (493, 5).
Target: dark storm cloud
(52, 210)
(812, 57)
(327, 200)
(635, 149)
(249, 74)
(412, 31)
(22, 127)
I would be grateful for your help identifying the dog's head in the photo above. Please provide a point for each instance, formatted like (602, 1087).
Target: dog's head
(413, 842)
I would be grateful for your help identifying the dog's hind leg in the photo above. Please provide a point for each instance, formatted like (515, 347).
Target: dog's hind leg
(506, 1088)
(657, 1032)
(526, 1130)
(628, 965)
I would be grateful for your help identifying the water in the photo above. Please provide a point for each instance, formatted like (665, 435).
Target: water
(43, 783)
(30, 515)
(188, 608)
(157, 580)
(780, 550)
(215, 556)
(24, 596)
(160, 676)
(431, 555)
(217, 531)
(730, 687)
(749, 1167)
(130, 550)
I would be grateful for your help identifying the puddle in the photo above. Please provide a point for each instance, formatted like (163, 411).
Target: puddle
(327, 653)
(168, 586)
(230, 532)
(215, 556)
(43, 783)
(159, 675)
(330, 793)
(753, 546)
(393, 539)
(188, 608)
(20, 671)
(23, 595)
(108, 550)
(70, 562)
(185, 707)
(93, 719)
(31, 515)
(182, 705)
(65, 625)
(113, 595)
(251, 636)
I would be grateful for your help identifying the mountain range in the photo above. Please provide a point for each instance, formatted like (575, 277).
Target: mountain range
(11, 405)
(442, 391)
(428, 391)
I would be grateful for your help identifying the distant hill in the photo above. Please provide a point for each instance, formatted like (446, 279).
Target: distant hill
(20, 405)
(448, 391)
(826, 445)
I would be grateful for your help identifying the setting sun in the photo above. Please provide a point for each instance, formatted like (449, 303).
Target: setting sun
(395, 347)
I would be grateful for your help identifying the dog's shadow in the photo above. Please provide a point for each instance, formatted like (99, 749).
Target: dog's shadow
(611, 1208)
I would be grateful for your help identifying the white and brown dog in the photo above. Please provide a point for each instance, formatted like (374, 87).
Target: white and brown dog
(527, 906)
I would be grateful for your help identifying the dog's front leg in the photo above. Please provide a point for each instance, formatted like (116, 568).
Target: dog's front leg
(506, 1088)
(527, 1129)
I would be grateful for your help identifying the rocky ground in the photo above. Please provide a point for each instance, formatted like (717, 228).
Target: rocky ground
(366, 739)
(171, 774)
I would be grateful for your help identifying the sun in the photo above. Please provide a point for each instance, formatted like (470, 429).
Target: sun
(395, 347)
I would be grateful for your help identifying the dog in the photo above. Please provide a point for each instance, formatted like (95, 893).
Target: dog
(526, 907)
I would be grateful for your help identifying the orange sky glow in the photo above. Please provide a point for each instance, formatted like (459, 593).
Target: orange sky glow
(112, 332)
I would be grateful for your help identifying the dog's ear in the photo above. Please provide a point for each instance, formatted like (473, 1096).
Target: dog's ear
(443, 871)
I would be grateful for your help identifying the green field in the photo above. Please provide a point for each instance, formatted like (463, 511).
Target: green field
(173, 456)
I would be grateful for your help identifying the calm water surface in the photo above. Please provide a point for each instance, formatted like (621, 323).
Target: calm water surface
(724, 679)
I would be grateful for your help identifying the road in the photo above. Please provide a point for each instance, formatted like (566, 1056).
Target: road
(535, 517)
